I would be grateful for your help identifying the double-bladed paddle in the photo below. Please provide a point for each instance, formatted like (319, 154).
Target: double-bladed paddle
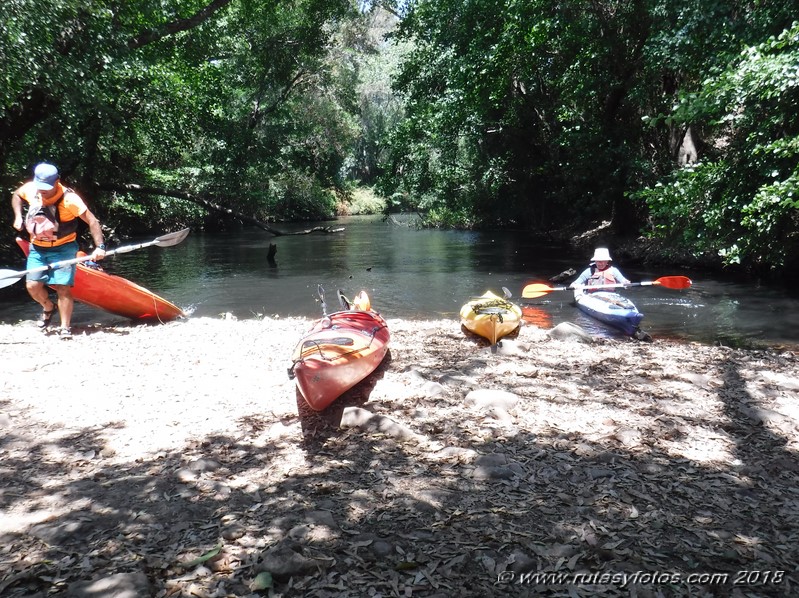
(9, 277)
(538, 289)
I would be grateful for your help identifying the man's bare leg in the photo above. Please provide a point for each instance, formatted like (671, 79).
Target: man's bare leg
(66, 304)
(40, 295)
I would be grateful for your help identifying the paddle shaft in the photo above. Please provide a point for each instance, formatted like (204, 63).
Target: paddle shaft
(9, 277)
(615, 285)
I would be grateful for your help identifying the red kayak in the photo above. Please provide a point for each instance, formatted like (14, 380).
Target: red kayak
(339, 351)
(117, 295)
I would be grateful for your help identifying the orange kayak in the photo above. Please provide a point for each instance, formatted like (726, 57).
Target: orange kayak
(339, 351)
(117, 295)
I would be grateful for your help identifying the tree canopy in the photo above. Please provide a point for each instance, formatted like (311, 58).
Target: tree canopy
(741, 197)
(674, 118)
(543, 113)
(240, 100)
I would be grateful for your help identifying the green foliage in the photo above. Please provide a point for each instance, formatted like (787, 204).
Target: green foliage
(743, 205)
(129, 214)
(238, 102)
(553, 114)
(379, 108)
(364, 200)
(685, 209)
(515, 110)
(298, 196)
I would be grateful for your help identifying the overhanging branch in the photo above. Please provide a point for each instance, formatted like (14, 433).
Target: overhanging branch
(210, 205)
(151, 35)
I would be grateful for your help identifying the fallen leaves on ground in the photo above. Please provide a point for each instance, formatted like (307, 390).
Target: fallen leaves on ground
(179, 460)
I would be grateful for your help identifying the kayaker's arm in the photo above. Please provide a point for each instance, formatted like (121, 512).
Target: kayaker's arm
(580, 281)
(97, 234)
(619, 276)
(16, 206)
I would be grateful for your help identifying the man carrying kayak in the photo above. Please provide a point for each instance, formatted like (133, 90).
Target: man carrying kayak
(52, 222)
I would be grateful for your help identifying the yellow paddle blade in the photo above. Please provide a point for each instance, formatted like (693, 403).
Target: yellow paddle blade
(538, 289)
(362, 302)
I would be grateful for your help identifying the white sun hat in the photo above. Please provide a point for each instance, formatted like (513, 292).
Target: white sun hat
(601, 254)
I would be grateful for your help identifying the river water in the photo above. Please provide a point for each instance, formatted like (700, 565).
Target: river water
(420, 274)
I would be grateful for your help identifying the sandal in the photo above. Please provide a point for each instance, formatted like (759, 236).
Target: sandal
(44, 319)
(65, 333)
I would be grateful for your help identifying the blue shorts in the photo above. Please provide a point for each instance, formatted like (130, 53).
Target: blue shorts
(44, 256)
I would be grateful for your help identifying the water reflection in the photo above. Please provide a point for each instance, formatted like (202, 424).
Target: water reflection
(420, 274)
(536, 316)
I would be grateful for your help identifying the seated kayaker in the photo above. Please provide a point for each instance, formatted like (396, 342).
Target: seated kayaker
(599, 273)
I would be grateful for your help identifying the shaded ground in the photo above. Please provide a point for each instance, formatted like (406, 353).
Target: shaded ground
(178, 460)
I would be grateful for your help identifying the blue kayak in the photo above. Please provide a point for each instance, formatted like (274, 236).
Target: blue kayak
(612, 309)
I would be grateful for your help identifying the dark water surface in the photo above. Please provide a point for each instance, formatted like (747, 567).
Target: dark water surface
(419, 274)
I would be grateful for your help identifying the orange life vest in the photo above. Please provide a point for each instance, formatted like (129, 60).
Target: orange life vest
(49, 222)
(601, 277)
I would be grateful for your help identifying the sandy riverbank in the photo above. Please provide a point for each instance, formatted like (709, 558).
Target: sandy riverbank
(129, 451)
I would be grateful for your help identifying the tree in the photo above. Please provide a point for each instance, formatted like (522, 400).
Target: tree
(740, 201)
(232, 95)
(519, 111)
(59, 54)
(552, 114)
(379, 108)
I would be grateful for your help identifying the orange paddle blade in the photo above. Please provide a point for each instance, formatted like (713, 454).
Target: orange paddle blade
(674, 282)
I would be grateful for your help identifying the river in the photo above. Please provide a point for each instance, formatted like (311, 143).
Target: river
(421, 274)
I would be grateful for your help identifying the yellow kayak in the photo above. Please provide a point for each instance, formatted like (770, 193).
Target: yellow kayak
(491, 316)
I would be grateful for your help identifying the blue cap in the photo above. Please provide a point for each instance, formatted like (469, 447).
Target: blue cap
(45, 176)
